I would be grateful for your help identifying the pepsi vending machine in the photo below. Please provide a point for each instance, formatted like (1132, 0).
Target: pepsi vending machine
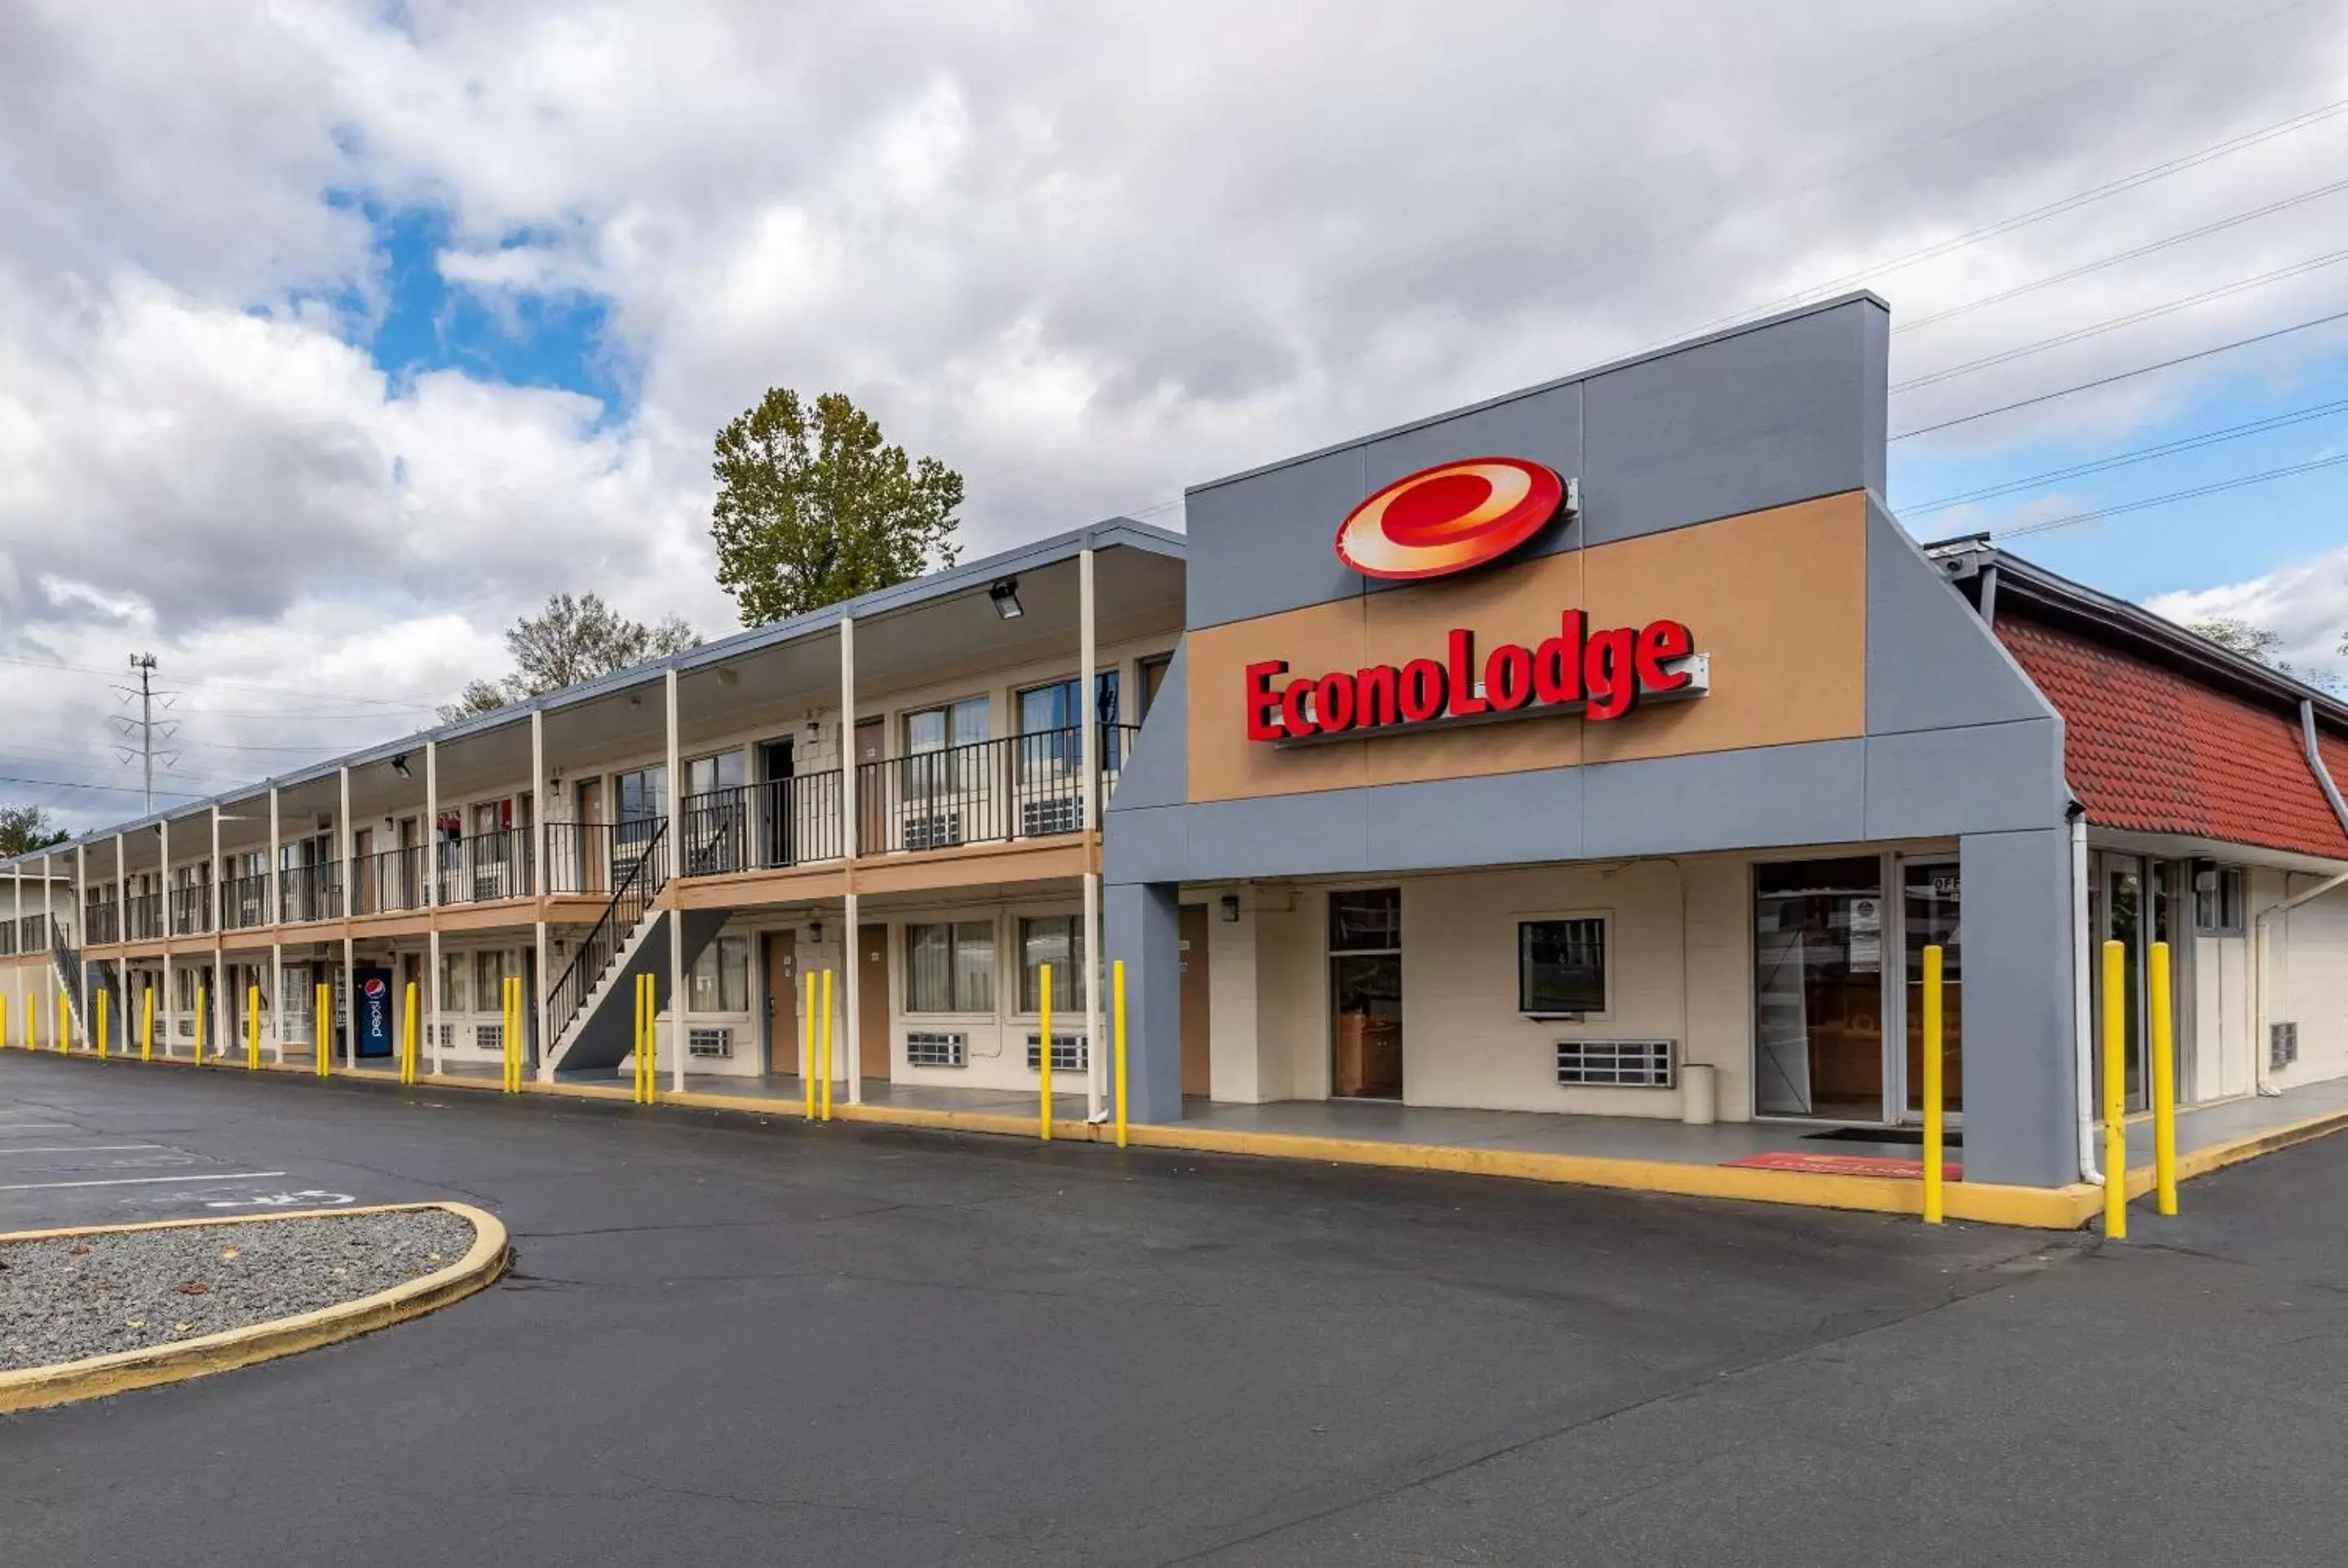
(377, 1029)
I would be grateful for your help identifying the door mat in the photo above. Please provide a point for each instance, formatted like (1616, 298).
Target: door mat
(1844, 1165)
(1955, 1136)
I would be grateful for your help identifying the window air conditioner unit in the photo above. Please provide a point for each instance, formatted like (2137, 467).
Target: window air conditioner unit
(1618, 1063)
(710, 1042)
(936, 1048)
(1067, 1054)
(933, 830)
(1056, 813)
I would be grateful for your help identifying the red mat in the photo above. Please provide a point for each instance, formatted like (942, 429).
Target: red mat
(1845, 1165)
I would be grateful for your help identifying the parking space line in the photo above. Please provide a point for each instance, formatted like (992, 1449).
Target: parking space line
(139, 1181)
(81, 1148)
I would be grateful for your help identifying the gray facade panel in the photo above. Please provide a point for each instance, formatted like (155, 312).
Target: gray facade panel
(1147, 844)
(1991, 778)
(1497, 821)
(1270, 543)
(1141, 926)
(1759, 420)
(2020, 1072)
(1282, 835)
(1931, 662)
(1157, 770)
(1813, 794)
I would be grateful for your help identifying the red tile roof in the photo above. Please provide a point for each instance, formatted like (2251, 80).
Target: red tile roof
(2153, 751)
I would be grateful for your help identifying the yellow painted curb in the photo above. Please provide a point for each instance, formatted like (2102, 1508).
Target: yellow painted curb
(95, 1376)
(2066, 1207)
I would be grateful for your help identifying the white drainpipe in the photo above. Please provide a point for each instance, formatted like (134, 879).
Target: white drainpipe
(2259, 1046)
(2082, 1011)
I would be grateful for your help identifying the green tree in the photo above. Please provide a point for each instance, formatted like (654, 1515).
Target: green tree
(814, 507)
(571, 641)
(25, 828)
(2239, 636)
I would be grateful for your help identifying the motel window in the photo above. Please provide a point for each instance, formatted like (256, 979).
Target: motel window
(489, 972)
(456, 982)
(1562, 966)
(1058, 940)
(643, 800)
(1153, 676)
(963, 723)
(949, 968)
(720, 977)
(725, 770)
(2218, 900)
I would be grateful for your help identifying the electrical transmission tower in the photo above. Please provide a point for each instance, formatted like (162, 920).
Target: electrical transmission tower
(139, 734)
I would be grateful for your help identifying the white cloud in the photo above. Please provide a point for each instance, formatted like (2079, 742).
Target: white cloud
(1088, 254)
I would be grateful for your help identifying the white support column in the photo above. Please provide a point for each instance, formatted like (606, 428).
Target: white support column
(673, 804)
(852, 953)
(275, 981)
(345, 844)
(432, 900)
(81, 937)
(1088, 720)
(169, 1008)
(542, 800)
(122, 936)
(21, 1020)
(219, 998)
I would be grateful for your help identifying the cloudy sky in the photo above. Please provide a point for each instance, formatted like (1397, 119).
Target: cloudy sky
(333, 335)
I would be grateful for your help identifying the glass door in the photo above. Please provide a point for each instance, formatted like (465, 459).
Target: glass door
(1928, 912)
(2118, 915)
(1818, 993)
(1365, 994)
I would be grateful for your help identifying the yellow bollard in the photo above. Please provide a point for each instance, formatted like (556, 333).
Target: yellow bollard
(807, 1040)
(104, 995)
(826, 1043)
(1043, 1060)
(65, 1024)
(203, 1011)
(4, 1020)
(636, 1048)
(2115, 1093)
(146, 1026)
(506, 1032)
(1933, 1197)
(252, 1029)
(407, 1035)
(2164, 1084)
(1116, 973)
(652, 1040)
(322, 1025)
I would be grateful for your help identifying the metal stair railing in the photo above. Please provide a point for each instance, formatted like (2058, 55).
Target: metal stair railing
(637, 885)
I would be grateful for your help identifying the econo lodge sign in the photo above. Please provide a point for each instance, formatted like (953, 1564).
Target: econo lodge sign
(1446, 519)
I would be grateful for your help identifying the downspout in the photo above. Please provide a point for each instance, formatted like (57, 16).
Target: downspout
(2083, 1033)
(2260, 1053)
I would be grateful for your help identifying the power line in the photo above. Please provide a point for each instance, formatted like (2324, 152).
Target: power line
(2150, 501)
(146, 726)
(2037, 214)
(2123, 375)
(109, 789)
(2137, 254)
(2122, 459)
(227, 685)
(2150, 312)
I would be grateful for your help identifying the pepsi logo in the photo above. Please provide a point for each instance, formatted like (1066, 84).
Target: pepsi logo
(375, 987)
(1449, 518)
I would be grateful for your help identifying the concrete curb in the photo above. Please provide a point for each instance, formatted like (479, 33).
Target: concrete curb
(70, 1382)
(2065, 1207)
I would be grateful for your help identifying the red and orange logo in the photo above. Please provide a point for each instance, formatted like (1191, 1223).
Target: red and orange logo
(1449, 518)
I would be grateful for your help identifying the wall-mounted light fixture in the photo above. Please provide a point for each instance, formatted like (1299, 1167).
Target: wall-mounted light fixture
(399, 765)
(815, 931)
(1004, 592)
(1229, 904)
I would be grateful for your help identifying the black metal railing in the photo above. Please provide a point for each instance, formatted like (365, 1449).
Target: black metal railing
(192, 911)
(784, 822)
(66, 961)
(247, 901)
(387, 881)
(7, 938)
(579, 855)
(146, 917)
(991, 791)
(310, 893)
(31, 933)
(484, 867)
(642, 873)
(102, 921)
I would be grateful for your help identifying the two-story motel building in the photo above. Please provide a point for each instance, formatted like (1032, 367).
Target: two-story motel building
(1614, 767)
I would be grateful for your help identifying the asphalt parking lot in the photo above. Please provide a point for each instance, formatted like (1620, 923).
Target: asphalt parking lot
(734, 1341)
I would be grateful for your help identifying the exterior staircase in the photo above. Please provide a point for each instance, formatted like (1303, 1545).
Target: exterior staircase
(595, 998)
